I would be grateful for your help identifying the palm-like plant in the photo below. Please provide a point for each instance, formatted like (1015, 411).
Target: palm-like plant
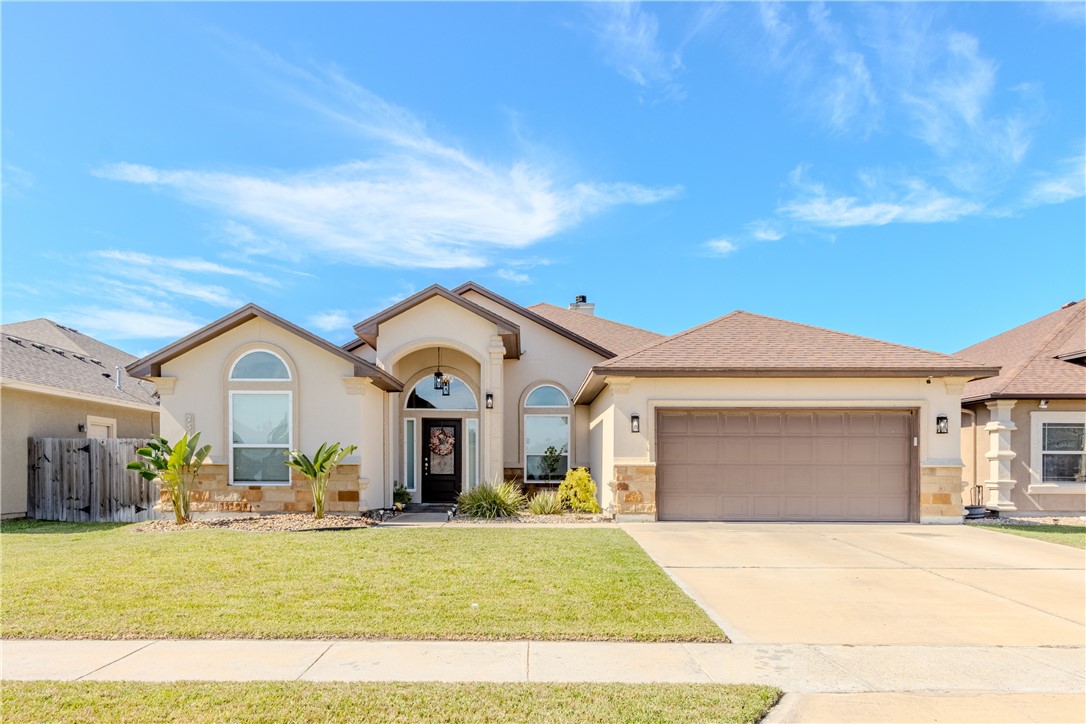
(175, 466)
(318, 470)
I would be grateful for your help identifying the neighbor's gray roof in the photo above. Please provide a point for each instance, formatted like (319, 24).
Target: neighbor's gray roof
(1034, 358)
(42, 352)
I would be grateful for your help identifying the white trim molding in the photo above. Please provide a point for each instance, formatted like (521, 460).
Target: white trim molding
(1037, 484)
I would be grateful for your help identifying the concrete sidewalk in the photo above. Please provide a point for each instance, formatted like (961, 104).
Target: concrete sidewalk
(796, 668)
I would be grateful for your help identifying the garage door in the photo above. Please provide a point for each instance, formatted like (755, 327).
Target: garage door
(817, 465)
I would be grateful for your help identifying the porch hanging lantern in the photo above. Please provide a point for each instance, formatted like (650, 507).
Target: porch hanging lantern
(439, 378)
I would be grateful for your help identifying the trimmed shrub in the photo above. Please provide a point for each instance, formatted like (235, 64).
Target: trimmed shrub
(401, 496)
(546, 502)
(578, 491)
(492, 500)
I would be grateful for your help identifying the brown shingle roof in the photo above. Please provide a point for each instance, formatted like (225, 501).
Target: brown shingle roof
(745, 344)
(614, 336)
(1028, 355)
(42, 352)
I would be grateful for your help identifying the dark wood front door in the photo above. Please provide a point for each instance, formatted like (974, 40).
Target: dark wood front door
(440, 460)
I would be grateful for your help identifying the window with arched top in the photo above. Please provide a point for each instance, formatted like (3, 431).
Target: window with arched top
(425, 397)
(546, 434)
(546, 396)
(260, 365)
(260, 398)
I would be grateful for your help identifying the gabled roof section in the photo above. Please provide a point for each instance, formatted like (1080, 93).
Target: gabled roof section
(542, 320)
(617, 337)
(367, 329)
(151, 365)
(40, 353)
(741, 344)
(1039, 358)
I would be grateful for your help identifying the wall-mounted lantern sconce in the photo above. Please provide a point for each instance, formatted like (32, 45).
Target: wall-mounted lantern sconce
(490, 400)
(81, 427)
(635, 423)
(942, 424)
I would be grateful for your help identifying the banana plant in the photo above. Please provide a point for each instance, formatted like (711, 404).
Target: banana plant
(318, 470)
(175, 466)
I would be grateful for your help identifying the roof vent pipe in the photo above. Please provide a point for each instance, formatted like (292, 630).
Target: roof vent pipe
(118, 385)
(581, 304)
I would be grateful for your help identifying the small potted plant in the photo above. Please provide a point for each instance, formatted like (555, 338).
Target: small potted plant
(401, 498)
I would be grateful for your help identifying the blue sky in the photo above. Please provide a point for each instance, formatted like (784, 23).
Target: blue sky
(908, 172)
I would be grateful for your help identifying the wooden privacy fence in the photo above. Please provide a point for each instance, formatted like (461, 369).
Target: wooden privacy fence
(85, 480)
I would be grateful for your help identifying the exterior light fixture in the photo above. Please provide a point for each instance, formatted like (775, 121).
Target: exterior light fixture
(490, 400)
(81, 427)
(635, 423)
(439, 377)
(1043, 404)
(446, 385)
(942, 424)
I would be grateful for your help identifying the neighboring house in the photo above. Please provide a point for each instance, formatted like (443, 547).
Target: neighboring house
(1023, 431)
(743, 418)
(56, 382)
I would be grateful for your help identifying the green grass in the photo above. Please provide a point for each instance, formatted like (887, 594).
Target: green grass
(71, 580)
(1068, 535)
(47, 701)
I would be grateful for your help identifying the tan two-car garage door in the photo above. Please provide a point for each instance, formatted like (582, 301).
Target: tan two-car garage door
(817, 465)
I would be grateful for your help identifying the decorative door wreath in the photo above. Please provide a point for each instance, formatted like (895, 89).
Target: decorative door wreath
(441, 441)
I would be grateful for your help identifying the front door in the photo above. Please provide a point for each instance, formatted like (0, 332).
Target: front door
(440, 460)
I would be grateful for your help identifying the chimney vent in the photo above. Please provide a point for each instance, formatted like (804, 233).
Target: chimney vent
(1069, 304)
(582, 305)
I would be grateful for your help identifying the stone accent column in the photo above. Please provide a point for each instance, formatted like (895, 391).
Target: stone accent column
(635, 492)
(494, 452)
(1000, 482)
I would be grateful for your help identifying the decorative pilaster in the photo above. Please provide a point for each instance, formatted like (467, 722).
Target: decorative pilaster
(1000, 482)
(493, 464)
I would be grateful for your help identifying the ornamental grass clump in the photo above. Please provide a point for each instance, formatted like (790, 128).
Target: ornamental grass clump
(545, 502)
(492, 500)
(175, 466)
(578, 492)
(319, 470)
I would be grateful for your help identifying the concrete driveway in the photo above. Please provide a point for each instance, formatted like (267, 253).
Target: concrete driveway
(875, 584)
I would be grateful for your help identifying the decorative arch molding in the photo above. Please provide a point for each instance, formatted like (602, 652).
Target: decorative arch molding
(428, 373)
(242, 350)
(390, 360)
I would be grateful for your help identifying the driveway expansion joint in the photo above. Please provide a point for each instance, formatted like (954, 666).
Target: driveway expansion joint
(114, 661)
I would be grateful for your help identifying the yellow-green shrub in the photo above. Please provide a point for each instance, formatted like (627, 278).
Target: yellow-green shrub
(578, 491)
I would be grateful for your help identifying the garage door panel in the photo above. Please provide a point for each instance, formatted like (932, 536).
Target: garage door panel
(784, 465)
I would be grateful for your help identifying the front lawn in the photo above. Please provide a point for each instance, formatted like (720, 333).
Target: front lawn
(342, 702)
(68, 580)
(1068, 535)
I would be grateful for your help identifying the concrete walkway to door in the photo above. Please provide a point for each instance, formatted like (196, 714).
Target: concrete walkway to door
(875, 584)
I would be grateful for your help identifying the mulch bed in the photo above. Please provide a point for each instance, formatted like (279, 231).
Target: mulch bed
(263, 523)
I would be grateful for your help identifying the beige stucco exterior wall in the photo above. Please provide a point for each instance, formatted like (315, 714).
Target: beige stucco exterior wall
(548, 357)
(26, 414)
(1039, 500)
(329, 403)
(634, 454)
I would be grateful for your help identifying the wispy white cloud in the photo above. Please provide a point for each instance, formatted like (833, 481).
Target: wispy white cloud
(629, 37)
(121, 324)
(909, 200)
(16, 178)
(510, 275)
(1068, 182)
(331, 320)
(418, 202)
(721, 247)
(762, 230)
(195, 265)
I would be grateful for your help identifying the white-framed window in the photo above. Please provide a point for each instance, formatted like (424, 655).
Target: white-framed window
(472, 452)
(1058, 448)
(410, 453)
(101, 427)
(260, 365)
(261, 430)
(546, 447)
(546, 396)
(425, 397)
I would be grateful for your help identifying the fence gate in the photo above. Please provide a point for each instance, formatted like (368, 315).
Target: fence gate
(85, 480)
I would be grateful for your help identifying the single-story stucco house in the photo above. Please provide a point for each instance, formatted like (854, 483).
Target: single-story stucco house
(57, 382)
(742, 418)
(1024, 430)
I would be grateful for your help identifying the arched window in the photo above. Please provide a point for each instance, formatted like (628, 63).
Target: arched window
(546, 434)
(260, 365)
(261, 419)
(425, 397)
(547, 396)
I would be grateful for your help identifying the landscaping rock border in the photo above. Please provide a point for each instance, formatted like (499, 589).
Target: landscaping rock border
(273, 522)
